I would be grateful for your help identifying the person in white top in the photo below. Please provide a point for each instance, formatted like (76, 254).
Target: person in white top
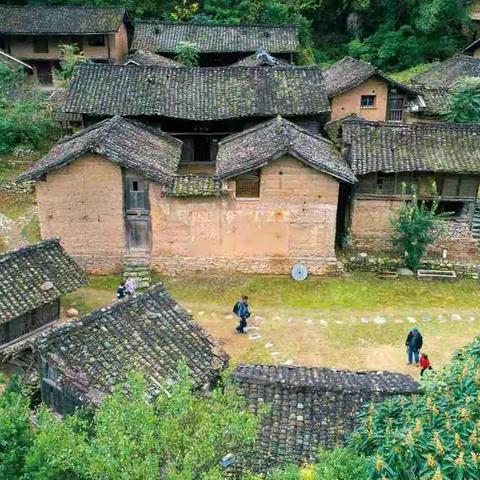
(131, 286)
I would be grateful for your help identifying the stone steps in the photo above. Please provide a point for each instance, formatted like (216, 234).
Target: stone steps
(138, 267)
(476, 223)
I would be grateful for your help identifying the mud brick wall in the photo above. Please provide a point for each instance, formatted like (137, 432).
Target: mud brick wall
(371, 231)
(82, 204)
(292, 221)
(349, 102)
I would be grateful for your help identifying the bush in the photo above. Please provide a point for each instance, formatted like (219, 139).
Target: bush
(415, 226)
(187, 53)
(465, 102)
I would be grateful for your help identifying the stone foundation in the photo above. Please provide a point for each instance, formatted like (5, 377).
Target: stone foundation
(168, 265)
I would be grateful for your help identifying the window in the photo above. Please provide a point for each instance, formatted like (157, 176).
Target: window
(368, 101)
(248, 185)
(40, 44)
(96, 40)
(199, 148)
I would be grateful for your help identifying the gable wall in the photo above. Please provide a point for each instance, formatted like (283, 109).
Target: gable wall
(82, 204)
(349, 101)
(294, 220)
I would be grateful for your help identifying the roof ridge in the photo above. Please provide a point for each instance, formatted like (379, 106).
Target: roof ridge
(29, 248)
(153, 21)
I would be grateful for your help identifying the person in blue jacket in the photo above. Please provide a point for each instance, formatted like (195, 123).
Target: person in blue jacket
(414, 343)
(242, 312)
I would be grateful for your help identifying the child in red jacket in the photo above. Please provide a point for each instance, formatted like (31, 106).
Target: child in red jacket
(424, 363)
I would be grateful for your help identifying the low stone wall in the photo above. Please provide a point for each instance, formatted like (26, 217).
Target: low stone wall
(362, 262)
(173, 265)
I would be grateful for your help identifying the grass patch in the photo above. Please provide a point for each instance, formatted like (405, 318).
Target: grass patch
(320, 321)
(16, 204)
(31, 231)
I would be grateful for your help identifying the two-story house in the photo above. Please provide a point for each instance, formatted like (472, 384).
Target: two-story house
(34, 34)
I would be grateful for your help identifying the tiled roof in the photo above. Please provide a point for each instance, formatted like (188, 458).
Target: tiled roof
(308, 408)
(197, 93)
(412, 147)
(437, 101)
(195, 186)
(57, 101)
(260, 59)
(256, 146)
(150, 333)
(12, 62)
(165, 37)
(350, 72)
(34, 276)
(449, 73)
(33, 19)
(144, 57)
(124, 142)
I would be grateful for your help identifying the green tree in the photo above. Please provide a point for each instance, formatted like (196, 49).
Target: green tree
(15, 434)
(71, 56)
(187, 53)
(181, 435)
(465, 102)
(25, 119)
(416, 226)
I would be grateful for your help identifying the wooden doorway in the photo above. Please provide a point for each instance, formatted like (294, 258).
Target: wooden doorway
(395, 107)
(137, 213)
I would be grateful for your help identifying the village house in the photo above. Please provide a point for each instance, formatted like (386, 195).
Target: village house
(13, 63)
(32, 281)
(217, 45)
(85, 359)
(473, 49)
(34, 34)
(360, 88)
(308, 409)
(384, 155)
(437, 85)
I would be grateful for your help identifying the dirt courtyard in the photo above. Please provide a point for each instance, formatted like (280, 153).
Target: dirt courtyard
(356, 321)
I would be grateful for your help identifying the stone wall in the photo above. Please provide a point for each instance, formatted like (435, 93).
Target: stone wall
(349, 102)
(82, 204)
(294, 220)
(371, 231)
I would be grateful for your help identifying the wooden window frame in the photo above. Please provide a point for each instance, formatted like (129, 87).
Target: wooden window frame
(39, 47)
(248, 186)
(374, 105)
(96, 40)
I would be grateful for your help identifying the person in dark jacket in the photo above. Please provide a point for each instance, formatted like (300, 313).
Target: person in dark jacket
(121, 291)
(414, 344)
(242, 312)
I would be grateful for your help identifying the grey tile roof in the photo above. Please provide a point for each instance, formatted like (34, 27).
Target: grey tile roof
(449, 73)
(144, 57)
(124, 142)
(35, 19)
(197, 93)
(350, 72)
(57, 101)
(412, 147)
(150, 333)
(165, 37)
(12, 62)
(260, 59)
(34, 276)
(308, 408)
(195, 186)
(256, 146)
(437, 101)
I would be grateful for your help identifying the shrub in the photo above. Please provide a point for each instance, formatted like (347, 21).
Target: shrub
(187, 53)
(415, 226)
(71, 56)
(465, 103)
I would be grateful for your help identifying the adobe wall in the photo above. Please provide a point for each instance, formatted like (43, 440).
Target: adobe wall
(24, 49)
(119, 48)
(349, 102)
(82, 204)
(371, 231)
(294, 220)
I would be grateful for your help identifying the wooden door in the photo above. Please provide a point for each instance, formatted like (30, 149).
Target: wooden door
(137, 212)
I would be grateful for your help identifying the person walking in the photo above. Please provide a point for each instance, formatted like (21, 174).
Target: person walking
(242, 312)
(424, 364)
(121, 291)
(131, 287)
(414, 344)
